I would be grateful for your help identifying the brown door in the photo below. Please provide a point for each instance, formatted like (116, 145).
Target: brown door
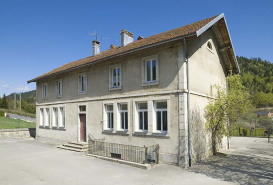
(83, 127)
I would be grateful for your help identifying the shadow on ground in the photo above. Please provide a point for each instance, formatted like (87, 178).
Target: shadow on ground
(245, 170)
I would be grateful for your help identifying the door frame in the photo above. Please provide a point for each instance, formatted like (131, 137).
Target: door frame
(79, 122)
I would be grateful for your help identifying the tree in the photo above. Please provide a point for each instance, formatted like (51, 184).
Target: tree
(226, 108)
(4, 102)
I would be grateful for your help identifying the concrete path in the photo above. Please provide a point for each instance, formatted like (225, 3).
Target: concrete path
(26, 161)
(23, 118)
(249, 161)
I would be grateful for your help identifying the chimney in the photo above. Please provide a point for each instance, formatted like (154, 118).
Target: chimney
(126, 37)
(95, 47)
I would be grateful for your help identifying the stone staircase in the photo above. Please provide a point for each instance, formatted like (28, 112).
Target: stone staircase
(75, 146)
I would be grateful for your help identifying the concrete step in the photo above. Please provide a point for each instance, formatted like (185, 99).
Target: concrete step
(72, 149)
(76, 146)
(78, 143)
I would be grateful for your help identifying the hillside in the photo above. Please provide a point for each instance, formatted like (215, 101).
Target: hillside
(257, 77)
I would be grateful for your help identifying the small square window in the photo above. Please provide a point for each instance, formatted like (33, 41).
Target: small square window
(82, 108)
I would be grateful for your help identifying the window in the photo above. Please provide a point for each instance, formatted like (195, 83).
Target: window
(150, 71)
(161, 116)
(55, 117)
(142, 109)
(41, 117)
(59, 88)
(209, 46)
(47, 122)
(82, 108)
(115, 77)
(62, 120)
(82, 83)
(110, 116)
(123, 110)
(44, 91)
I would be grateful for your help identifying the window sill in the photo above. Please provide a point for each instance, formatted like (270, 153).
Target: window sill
(114, 89)
(79, 93)
(150, 83)
(44, 127)
(210, 50)
(155, 135)
(111, 132)
(58, 96)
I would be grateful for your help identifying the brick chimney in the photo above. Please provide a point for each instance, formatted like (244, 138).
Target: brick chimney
(95, 47)
(126, 37)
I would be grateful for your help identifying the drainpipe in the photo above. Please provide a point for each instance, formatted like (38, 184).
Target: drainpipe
(188, 100)
(228, 140)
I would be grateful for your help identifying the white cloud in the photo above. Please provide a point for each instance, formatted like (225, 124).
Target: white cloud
(20, 88)
(2, 82)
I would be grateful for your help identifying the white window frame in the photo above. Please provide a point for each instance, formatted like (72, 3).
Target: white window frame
(47, 117)
(42, 121)
(137, 117)
(111, 77)
(44, 91)
(59, 88)
(111, 119)
(62, 117)
(80, 83)
(120, 117)
(160, 110)
(54, 124)
(145, 60)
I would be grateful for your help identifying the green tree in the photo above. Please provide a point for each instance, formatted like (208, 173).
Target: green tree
(4, 102)
(228, 106)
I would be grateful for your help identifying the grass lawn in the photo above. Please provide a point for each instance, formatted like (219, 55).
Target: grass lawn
(9, 123)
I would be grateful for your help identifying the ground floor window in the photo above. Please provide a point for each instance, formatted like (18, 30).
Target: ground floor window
(62, 120)
(47, 122)
(142, 109)
(110, 116)
(123, 110)
(161, 116)
(42, 117)
(55, 117)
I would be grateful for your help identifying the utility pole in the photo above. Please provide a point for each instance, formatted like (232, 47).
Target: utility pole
(20, 102)
(14, 101)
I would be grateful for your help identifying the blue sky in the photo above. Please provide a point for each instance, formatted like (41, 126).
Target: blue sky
(37, 36)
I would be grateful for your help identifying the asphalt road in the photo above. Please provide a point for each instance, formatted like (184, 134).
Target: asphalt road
(248, 162)
(23, 118)
(26, 161)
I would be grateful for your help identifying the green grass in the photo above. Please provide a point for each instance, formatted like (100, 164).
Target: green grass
(9, 123)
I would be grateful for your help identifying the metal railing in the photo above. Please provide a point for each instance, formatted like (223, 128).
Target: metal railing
(130, 153)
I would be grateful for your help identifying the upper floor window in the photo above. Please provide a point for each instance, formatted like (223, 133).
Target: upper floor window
(150, 70)
(142, 109)
(44, 88)
(209, 46)
(161, 116)
(123, 110)
(82, 83)
(110, 116)
(115, 77)
(59, 88)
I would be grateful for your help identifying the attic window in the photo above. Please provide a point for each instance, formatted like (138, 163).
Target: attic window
(209, 46)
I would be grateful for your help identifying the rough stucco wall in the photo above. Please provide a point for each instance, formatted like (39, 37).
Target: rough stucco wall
(98, 77)
(206, 69)
(98, 86)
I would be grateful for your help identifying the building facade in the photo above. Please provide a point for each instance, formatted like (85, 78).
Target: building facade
(143, 92)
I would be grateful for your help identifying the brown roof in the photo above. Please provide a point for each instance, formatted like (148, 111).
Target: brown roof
(165, 36)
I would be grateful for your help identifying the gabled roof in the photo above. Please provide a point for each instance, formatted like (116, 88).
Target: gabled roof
(196, 28)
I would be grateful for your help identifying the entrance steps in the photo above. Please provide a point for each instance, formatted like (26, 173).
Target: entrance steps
(75, 146)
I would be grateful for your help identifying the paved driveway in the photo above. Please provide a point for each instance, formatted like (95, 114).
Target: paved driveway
(26, 161)
(22, 118)
(249, 161)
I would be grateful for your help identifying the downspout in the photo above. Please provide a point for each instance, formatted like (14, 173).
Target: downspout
(228, 124)
(188, 100)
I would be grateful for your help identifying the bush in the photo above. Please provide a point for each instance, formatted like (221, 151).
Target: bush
(2, 113)
(239, 131)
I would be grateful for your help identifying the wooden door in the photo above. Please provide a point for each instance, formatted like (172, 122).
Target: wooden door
(83, 127)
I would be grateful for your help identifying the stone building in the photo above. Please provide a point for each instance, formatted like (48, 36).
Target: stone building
(139, 93)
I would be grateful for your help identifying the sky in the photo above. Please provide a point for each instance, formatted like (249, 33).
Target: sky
(37, 36)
